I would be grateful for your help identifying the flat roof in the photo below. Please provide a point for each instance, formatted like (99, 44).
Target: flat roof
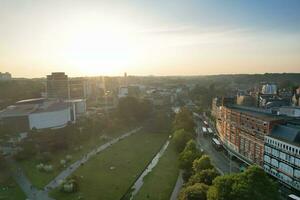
(256, 113)
(26, 109)
(34, 100)
(74, 100)
(17, 110)
(51, 107)
(287, 133)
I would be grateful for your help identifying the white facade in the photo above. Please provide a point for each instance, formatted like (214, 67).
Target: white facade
(58, 118)
(282, 160)
(289, 111)
(78, 106)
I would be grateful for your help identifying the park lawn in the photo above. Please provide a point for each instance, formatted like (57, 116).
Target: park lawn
(129, 158)
(159, 184)
(40, 179)
(11, 191)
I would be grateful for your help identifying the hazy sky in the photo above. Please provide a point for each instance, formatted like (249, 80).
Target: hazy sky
(143, 37)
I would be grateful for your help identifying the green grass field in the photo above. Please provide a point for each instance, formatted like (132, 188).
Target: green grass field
(11, 191)
(40, 179)
(159, 184)
(129, 158)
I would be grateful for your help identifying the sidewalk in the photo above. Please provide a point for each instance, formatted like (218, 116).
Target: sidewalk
(177, 187)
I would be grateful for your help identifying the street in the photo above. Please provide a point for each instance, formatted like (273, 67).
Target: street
(222, 162)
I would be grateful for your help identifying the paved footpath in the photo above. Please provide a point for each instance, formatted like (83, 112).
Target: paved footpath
(177, 187)
(31, 192)
(69, 170)
(35, 194)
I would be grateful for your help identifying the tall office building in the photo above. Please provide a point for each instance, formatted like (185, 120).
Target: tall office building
(58, 86)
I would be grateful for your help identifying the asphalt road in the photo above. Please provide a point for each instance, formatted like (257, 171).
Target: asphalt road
(219, 159)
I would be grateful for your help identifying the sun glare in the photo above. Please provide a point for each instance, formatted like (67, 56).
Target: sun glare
(99, 45)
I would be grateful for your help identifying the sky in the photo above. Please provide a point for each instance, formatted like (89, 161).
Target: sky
(142, 37)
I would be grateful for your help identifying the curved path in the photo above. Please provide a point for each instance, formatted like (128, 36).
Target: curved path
(69, 170)
(35, 194)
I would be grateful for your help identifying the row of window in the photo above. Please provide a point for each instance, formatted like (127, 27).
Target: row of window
(282, 177)
(283, 156)
(286, 147)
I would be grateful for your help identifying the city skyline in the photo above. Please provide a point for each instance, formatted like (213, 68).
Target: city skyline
(89, 38)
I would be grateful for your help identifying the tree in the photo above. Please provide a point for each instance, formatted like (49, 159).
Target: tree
(195, 192)
(206, 176)
(202, 164)
(259, 185)
(188, 155)
(251, 184)
(222, 188)
(131, 108)
(181, 137)
(184, 120)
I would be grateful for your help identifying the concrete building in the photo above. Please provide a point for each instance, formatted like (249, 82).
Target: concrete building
(296, 97)
(5, 76)
(282, 154)
(58, 86)
(37, 114)
(78, 106)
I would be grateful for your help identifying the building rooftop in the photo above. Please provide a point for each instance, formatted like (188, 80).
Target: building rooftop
(74, 100)
(287, 133)
(17, 110)
(31, 101)
(263, 114)
(51, 106)
(28, 108)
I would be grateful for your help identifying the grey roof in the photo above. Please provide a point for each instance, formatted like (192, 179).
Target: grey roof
(259, 113)
(26, 109)
(288, 133)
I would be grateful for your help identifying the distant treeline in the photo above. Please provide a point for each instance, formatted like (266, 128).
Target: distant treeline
(15, 90)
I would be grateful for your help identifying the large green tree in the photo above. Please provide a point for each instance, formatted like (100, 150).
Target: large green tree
(251, 184)
(202, 164)
(206, 176)
(184, 120)
(180, 138)
(195, 192)
(188, 155)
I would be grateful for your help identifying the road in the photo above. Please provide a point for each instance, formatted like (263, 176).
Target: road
(222, 162)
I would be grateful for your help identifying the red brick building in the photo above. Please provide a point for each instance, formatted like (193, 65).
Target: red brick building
(242, 131)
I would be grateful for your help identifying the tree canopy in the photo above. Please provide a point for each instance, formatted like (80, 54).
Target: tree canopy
(195, 192)
(202, 164)
(181, 137)
(184, 120)
(188, 155)
(251, 184)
